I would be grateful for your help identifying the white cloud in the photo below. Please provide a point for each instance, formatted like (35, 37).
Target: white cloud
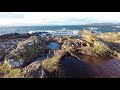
(44, 18)
(10, 21)
(13, 15)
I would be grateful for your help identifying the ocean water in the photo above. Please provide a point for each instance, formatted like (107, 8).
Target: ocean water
(58, 30)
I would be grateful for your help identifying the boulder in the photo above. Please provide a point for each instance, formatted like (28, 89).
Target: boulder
(34, 70)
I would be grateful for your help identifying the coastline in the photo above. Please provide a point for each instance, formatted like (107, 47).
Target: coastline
(85, 53)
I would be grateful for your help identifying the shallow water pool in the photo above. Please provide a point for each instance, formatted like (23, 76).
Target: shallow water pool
(54, 46)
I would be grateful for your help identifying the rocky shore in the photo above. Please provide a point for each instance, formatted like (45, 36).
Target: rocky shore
(82, 56)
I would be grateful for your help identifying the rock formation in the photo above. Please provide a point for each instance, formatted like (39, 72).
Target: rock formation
(8, 42)
(26, 51)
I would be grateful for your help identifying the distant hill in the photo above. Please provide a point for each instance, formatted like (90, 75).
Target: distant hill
(101, 24)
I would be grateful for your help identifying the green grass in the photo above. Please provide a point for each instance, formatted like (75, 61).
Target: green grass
(10, 73)
(51, 64)
(15, 73)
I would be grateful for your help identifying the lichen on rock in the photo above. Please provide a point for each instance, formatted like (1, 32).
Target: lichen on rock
(26, 52)
(45, 68)
(51, 64)
(8, 42)
(34, 70)
(89, 44)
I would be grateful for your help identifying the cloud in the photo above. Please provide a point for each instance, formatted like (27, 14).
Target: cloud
(9, 21)
(71, 17)
(57, 18)
(9, 18)
(12, 15)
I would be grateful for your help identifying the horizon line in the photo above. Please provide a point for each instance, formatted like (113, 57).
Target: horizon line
(58, 24)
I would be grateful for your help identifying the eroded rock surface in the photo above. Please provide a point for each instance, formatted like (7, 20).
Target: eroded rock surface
(26, 52)
(8, 42)
(34, 70)
(90, 44)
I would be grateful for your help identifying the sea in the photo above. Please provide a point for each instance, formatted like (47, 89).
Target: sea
(59, 30)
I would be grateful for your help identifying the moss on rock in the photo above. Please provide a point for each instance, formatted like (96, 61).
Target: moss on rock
(27, 51)
(93, 44)
(52, 64)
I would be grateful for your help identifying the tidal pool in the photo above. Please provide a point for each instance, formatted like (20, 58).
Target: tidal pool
(86, 66)
(90, 67)
(54, 46)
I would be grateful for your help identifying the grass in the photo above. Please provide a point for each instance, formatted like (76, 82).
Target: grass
(110, 37)
(4, 69)
(29, 52)
(15, 73)
(98, 44)
(100, 47)
(52, 64)
(10, 73)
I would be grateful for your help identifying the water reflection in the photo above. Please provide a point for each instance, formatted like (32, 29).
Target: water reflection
(74, 68)
(53, 46)
(102, 67)
(94, 60)
(90, 67)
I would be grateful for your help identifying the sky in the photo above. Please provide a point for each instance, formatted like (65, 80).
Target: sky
(57, 18)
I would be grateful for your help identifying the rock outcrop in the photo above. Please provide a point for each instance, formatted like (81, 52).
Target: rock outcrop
(8, 42)
(89, 44)
(20, 51)
(26, 52)
(48, 68)
(61, 65)
(34, 70)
